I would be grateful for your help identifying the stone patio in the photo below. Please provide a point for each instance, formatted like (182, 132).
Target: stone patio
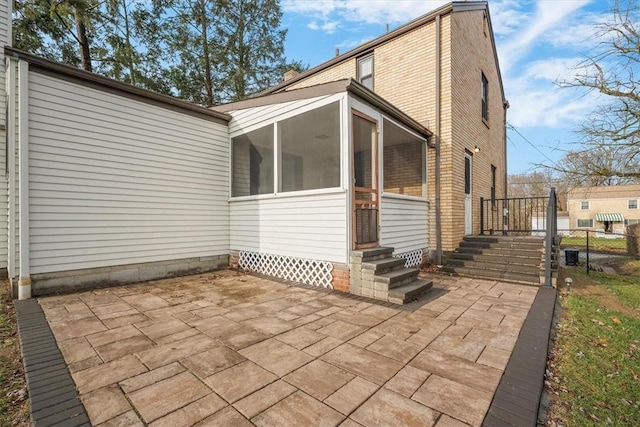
(227, 348)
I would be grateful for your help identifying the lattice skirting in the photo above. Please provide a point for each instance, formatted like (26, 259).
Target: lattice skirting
(301, 270)
(413, 258)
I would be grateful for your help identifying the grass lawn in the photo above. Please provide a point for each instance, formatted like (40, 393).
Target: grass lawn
(594, 367)
(14, 409)
(599, 244)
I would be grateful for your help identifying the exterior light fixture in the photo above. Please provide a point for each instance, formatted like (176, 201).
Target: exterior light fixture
(568, 281)
(477, 149)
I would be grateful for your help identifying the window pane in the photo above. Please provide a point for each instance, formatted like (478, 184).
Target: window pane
(584, 205)
(310, 149)
(365, 71)
(585, 223)
(366, 66)
(252, 165)
(403, 161)
(367, 82)
(633, 204)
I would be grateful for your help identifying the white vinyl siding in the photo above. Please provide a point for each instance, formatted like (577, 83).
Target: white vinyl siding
(404, 223)
(5, 39)
(116, 181)
(309, 226)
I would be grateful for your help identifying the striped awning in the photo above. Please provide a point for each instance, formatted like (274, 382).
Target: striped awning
(613, 217)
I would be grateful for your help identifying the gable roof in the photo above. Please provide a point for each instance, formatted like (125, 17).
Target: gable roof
(455, 6)
(338, 86)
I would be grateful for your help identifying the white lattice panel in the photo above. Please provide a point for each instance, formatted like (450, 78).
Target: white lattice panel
(413, 258)
(307, 271)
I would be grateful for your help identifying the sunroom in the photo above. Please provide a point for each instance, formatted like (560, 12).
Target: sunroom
(321, 171)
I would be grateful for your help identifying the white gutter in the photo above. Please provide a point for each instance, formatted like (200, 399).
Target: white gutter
(24, 283)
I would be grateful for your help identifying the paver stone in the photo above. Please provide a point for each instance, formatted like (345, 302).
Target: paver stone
(448, 397)
(386, 408)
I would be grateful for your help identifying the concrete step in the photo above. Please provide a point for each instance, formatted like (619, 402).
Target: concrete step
(497, 258)
(523, 253)
(381, 266)
(365, 255)
(501, 245)
(397, 278)
(409, 292)
(496, 239)
(505, 276)
(516, 268)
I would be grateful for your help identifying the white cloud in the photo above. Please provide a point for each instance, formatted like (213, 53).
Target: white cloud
(552, 69)
(507, 17)
(547, 17)
(382, 12)
(327, 26)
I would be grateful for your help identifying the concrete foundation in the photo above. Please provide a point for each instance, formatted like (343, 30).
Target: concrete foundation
(72, 281)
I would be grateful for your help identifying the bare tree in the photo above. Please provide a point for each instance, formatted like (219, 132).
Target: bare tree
(610, 145)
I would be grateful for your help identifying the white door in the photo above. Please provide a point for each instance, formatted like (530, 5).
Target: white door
(468, 219)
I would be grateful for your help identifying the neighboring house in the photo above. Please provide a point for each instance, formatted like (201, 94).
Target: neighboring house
(539, 224)
(608, 209)
(442, 70)
(111, 183)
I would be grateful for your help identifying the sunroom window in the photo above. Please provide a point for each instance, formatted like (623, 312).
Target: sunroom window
(404, 169)
(310, 149)
(252, 163)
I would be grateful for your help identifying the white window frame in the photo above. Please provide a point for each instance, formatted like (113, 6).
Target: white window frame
(586, 219)
(634, 201)
(274, 121)
(360, 76)
(582, 205)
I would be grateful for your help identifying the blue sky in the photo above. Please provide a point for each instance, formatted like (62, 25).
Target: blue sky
(538, 43)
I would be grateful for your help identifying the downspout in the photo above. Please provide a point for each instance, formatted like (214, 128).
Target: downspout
(505, 105)
(11, 170)
(437, 141)
(24, 283)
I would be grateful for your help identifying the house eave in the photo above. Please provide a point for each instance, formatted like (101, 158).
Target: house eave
(338, 86)
(91, 79)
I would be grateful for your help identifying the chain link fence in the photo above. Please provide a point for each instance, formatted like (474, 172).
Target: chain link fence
(597, 250)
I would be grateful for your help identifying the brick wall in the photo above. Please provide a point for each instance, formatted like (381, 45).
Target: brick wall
(471, 57)
(405, 75)
(340, 275)
(402, 169)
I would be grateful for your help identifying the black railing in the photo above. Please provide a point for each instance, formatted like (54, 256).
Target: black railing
(550, 238)
(513, 215)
